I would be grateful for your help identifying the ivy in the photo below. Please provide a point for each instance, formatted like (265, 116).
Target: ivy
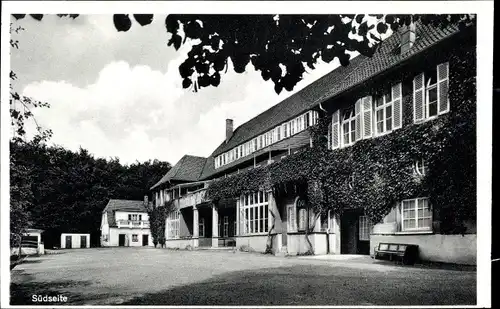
(157, 221)
(375, 174)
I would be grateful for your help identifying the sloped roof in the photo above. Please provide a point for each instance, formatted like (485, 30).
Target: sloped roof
(292, 142)
(360, 69)
(189, 168)
(122, 205)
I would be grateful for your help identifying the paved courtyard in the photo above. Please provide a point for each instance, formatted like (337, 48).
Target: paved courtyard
(149, 276)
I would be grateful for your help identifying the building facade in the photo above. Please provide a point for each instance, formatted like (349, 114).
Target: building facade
(125, 223)
(403, 86)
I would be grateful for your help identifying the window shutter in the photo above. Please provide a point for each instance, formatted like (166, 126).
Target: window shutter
(397, 110)
(335, 138)
(442, 86)
(367, 117)
(357, 115)
(418, 98)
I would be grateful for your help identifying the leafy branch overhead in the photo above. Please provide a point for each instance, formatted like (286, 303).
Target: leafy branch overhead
(281, 47)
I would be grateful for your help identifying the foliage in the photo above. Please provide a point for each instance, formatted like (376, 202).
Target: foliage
(279, 46)
(376, 173)
(21, 107)
(157, 219)
(65, 191)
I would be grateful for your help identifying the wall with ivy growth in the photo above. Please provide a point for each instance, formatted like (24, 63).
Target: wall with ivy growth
(382, 166)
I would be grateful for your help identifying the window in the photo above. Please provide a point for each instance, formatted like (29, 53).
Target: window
(133, 217)
(383, 113)
(430, 93)
(255, 211)
(135, 238)
(302, 222)
(416, 215)
(225, 232)
(278, 133)
(431, 103)
(420, 167)
(364, 228)
(173, 224)
(201, 227)
(348, 127)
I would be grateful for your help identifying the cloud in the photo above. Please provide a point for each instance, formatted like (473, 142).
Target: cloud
(120, 95)
(138, 113)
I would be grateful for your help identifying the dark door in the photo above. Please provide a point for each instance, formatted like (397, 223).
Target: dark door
(68, 242)
(354, 233)
(145, 240)
(83, 241)
(121, 240)
(349, 233)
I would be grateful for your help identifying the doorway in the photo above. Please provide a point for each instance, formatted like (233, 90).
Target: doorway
(83, 241)
(121, 240)
(145, 240)
(354, 233)
(68, 242)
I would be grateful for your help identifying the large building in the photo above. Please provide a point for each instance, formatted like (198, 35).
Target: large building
(125, 223)
(402, 86)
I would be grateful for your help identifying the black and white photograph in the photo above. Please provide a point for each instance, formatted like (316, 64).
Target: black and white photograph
(240, 153)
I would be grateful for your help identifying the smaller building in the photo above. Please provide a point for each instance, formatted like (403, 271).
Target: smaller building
(31, 243)
(125, 223)
(74, 240)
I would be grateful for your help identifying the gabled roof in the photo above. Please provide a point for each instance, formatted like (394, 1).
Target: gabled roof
(122, 205)
(360, 69)
(189, 168)
(296, 141)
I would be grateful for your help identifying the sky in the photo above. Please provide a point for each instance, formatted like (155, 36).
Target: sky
(119, 94)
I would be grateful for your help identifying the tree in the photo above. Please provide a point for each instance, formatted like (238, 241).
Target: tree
(279, 46)
(66, 191)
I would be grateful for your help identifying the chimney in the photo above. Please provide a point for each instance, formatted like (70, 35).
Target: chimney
(407, 38)
(229, 129)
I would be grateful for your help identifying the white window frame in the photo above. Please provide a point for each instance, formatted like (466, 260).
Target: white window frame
(225, 228)
(201, 227)
(420, 167)
(251, 205)
(351, 120)
(428, 88)
(416, 217)
(365, 228)
(383, 107)
(173, 224)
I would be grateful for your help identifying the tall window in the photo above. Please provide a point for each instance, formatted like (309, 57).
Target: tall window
(135, 238)
(348, 127)
(201, 227)
(416, 215)
(431, 94)
(173, 224)
(383, 113)
(364, 228)
(225, 232)
(256, 212)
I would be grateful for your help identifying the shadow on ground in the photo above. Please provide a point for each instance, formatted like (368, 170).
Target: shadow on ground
(23, 294)
(318, 285)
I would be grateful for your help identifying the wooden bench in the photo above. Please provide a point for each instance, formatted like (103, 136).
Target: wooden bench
(407, 253)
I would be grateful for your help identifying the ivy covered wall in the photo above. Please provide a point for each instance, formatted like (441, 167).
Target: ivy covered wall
(374, 174)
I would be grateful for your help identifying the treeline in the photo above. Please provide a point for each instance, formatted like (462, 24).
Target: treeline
(60, 191)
